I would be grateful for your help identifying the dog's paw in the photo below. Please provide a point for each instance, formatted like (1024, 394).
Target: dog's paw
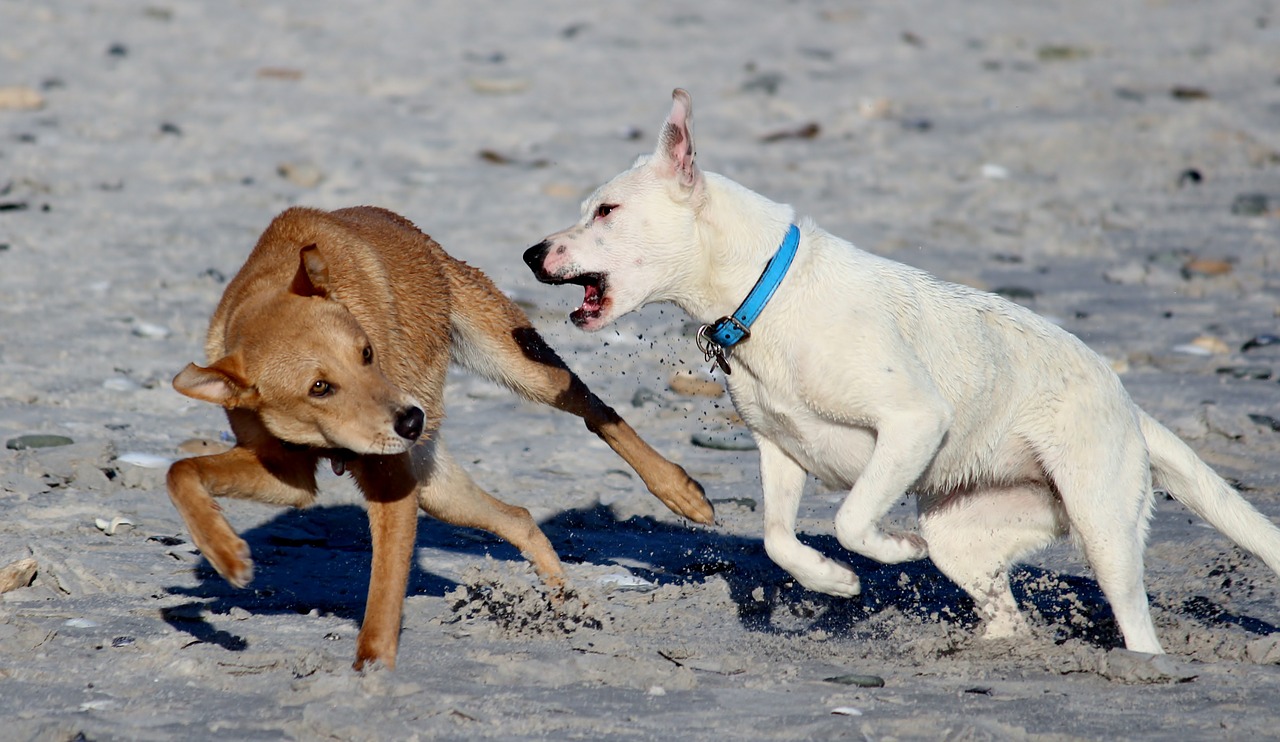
(829, 576)
(230, 556)
(886, 547)
(685, 497)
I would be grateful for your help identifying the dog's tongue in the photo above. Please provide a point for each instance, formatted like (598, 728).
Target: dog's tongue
(591, 299)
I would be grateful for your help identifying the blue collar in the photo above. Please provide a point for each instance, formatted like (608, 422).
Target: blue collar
(717, 339)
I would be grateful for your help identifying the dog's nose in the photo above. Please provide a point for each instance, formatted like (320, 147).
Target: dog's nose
(535, 256)
(409, 423)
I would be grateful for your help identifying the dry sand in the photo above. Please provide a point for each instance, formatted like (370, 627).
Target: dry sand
(1078, 157)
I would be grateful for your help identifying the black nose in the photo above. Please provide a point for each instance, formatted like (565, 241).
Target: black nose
(409, 423)
(535, 256)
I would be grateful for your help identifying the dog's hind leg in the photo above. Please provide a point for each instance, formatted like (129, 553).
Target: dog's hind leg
(267, 474)
(448, 493)
(783, 481)
(975, 536)
(1105, 486)
(494, 338)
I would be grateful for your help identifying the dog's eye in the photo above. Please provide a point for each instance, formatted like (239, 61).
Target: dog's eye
(321, 388)
(367, 354)
(604, 210)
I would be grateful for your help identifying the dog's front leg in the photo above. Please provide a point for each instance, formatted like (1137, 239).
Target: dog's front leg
(243, 473)
(388, 485)
(906, 443)
(783, 481)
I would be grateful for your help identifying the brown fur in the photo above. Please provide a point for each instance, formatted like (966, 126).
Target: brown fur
(332, 343)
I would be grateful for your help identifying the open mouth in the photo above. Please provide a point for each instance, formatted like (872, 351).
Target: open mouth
(593, 300)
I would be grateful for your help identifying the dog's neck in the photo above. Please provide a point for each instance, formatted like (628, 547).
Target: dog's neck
(738, 231)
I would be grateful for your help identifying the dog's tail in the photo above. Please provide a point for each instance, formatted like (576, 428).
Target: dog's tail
(1176, 468)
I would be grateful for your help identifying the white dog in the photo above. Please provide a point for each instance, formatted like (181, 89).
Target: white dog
(879, 378)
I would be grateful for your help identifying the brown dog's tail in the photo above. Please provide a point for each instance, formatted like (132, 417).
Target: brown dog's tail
(1176, 468)
(493, 337)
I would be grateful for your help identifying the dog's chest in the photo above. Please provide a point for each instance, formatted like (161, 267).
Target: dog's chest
(835, 454)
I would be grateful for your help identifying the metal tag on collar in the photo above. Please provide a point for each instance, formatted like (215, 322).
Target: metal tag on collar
(712, 350)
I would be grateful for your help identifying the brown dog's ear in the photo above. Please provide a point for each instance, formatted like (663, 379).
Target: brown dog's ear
(223, 384)
(313, 273)
(675, 144)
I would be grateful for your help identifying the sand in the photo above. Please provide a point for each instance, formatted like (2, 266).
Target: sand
(1112, 166)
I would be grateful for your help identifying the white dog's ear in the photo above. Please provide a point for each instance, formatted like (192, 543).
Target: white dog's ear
(675, 145)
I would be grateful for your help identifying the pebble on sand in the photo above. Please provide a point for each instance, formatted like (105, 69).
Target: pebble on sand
(301, 174)
(1205, 345)
(1205, 267)
(691, 385)
(37, 440)
(862, 681)
(18, 574)
(20, 98)
(723, 440)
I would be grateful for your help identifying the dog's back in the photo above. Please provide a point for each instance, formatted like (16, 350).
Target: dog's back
(389, 275)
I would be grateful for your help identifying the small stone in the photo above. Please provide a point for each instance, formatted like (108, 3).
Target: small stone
(723, 440)
(807, 131)
(1188, 93)
(123, 641)
(20, 98)
(279, 73)
(1061, 53)
(498, 85)
(1129, 274)
(1190, 176)
(1205, 267)
(1246, 372)
(846, 711)
(1250, 204)
(17, 575)
(301, 174)
(691, 385)
(1265, 421)
(861, 681)
(150, 330)
(239, 613)
(37, 440)
(1205, 345)
(1259, 341)
(993, 171)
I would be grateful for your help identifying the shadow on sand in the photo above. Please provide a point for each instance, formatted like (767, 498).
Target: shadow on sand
(318, 559)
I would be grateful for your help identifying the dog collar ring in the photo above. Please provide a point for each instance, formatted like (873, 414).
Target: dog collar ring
(717, 339)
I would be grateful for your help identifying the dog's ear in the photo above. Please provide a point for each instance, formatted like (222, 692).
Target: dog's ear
(312, 278)
(675, 145)
(222, 383)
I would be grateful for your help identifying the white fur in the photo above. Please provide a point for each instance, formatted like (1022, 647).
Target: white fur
(879, 378)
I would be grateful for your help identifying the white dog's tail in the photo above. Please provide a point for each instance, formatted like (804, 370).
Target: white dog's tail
(1176, 468)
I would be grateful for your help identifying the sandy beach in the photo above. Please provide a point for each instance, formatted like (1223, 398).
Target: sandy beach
(1112, 166)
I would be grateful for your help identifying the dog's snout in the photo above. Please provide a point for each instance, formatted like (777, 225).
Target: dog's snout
(409, 423)
(536, 256)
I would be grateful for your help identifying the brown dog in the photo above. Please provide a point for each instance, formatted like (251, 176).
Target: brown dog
(332, 343)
